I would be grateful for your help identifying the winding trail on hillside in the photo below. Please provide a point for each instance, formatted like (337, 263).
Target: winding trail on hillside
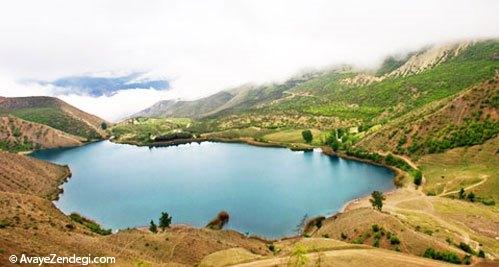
(349, 257)
(485, 178)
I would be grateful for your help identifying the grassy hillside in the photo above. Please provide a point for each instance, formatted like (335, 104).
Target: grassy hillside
(468, 118)
(382, 109)
(20, 135)
(54, 113)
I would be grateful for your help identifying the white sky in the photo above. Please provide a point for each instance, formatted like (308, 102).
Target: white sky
(205, 46)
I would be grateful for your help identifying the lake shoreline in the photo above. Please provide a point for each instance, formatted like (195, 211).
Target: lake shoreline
(247, 141)
(324, 150)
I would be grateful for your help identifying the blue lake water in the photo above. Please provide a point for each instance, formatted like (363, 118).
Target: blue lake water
(266, 191)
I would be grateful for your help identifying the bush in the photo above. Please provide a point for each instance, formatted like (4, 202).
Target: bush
(165, 220)
(307, 136)
(442, 256)
(375, 227)
(152, 227)
(488, 202)
(343, 236)
(418, 177)
(467, 259)
(394, 240)
(471, 197)
(461, 194)
(481, 254)
(93, 226)
(219, 222)
(465, 247)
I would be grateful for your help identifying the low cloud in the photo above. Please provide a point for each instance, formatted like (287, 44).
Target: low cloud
(207, 46)
(96, 86)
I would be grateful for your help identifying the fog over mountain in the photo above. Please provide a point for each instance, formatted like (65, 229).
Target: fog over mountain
(190, 49)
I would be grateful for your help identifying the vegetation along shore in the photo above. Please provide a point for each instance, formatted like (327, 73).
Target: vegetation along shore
(430, 116)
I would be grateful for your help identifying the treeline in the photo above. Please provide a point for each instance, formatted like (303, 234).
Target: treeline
(389, 160)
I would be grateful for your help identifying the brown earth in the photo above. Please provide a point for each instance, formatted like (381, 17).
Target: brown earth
(41, 136)
(31, 224)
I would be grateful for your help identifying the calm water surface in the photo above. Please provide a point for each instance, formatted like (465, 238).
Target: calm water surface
(266, 191)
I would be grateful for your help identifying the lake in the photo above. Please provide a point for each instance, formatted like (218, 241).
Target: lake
(266, 191)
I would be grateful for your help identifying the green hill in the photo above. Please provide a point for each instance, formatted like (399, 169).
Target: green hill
(47, 114)
(343, 98)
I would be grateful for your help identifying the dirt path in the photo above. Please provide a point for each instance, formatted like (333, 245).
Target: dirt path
(350, 257)
(465, 188)
(406, 159)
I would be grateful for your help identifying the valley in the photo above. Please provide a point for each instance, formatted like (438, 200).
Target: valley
(431, 116)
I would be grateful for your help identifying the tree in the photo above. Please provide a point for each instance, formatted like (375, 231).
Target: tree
(152, 227)
(335, 145)
(418, 178)
(103, 125)
(376, 200)
(165, 220)
(461, 194)
(307, 136)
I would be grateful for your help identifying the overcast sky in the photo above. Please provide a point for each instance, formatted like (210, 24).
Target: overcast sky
(201, 47)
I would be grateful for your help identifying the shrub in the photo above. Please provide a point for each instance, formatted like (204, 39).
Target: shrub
(343, 236)
(418, 177)
(467, 259)
(16, 132)
(442, 256)
(471, 197)
(461, 193)
(394, 240)
(153, 227)
(91, 225)
(165, 220)
(103, 125)
(465, 247)
(481, 254)
(219, 222)
(307, 136)
(375, 227)
(488, 202)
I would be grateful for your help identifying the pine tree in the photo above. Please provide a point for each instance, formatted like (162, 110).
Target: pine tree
(152, 227)
(165, 220)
